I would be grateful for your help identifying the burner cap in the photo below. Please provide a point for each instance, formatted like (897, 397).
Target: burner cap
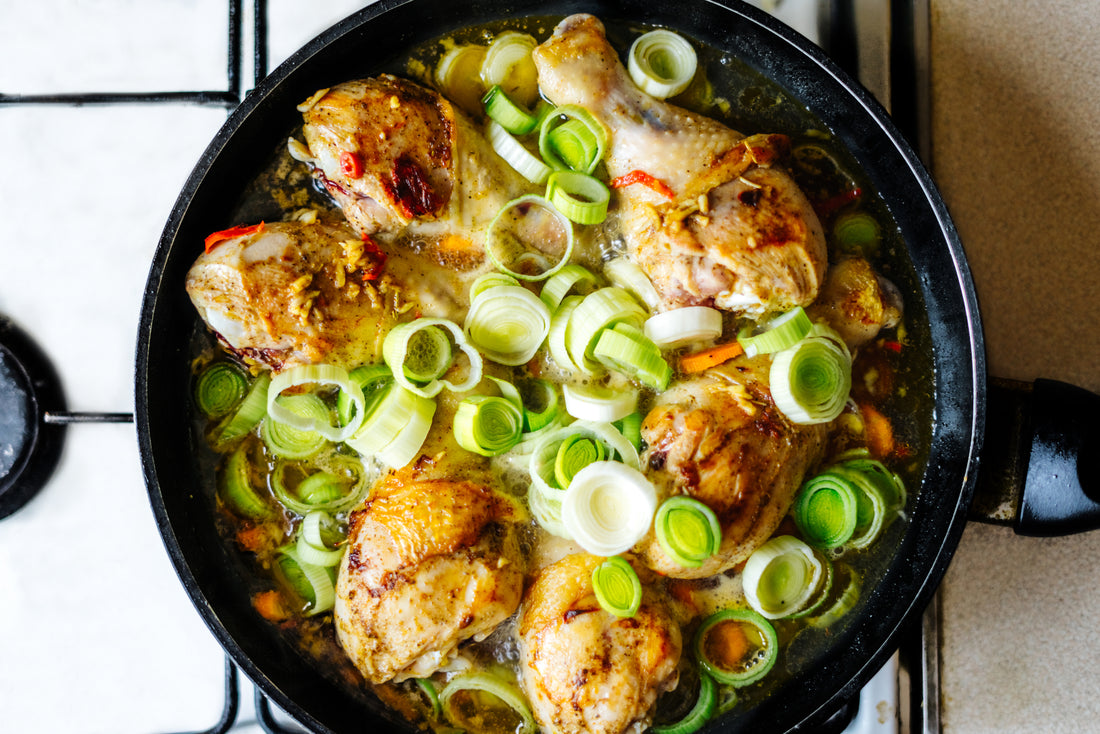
(29, 448)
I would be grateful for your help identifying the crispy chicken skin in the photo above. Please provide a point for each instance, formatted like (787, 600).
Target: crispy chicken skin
(584, 669)
(296, 293)
(404, 163)
(737, 232)
(720, 439)
(431, 562)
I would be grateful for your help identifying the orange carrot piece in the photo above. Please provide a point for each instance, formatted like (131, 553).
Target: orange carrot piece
(269, 605)
(707, 358)
(879, 432)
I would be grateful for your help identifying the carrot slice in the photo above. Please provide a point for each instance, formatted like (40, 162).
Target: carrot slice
(879, 432)
(707, 358)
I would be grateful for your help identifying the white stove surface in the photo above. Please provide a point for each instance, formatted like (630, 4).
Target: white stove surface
(96, 632)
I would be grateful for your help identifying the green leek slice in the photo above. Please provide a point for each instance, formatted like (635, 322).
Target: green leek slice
(687, 530)
(561, 283)
(368, 377)
(540, 402)
(626, 349)
(220, 388)
(857, 232)
(631, 428)
(811, 380)
(706, 702)
(502, 110)
(489, 280)
(395, 352)
(681, 326)
(562, 144)
(574, 453)
(529, 238)
(316, 376)
(662, 63)
(312, 582)
(597, 311)
(582, 198)
(608, 507)
(781, 577)
(238, 490)
(249, 412)
(846, 596)
(736, 646)
(287, 441)
(333, 482)
(311, 545)
(465, 716)
(507, 323)
(427, 355)
(487, 425)
(508, 63)
(825, 510)
(780, 333)
(617, 587)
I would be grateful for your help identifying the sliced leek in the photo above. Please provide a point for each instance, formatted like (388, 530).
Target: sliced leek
(582, 198)
(489, 280)
(557, 340)
(706, 703)
(571, 277)
(333, 482)
(285, 440)
(626, 349)
(540, 402)
(599, 403)
(565, 147)
(575, 453)
(220, 388)
(396, 428)
(617, 587)
(238, 490)
(321, 376)
(458, 76)
(825, 510)
(608, 507)
(465, 716)
(367, 377)
(662, 63)
(487, 425)
(502, 110)
(249, 413)
(529, 239)
(312, 582)
(508, 63)
(682, 326)
(516, 155)
(311, 545)
(780, 333)
(687, 530)
(781, 577)
(625, 273)
(597, 311)
(811, 380)
(396, 348)
(736, 646)
(507, 323)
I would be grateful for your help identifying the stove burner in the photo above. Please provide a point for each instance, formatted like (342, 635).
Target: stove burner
(29, 447)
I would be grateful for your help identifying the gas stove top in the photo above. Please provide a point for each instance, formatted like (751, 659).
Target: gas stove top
(104, 108)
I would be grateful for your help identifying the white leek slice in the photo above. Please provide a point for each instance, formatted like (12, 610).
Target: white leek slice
(781, 577)
(598, 403)
(599, 310)
(625, 273)
(680, 326)
(503, 691)
(397, 426)
(556, 340)
(508, 63)
(779, 333)
(507, 323)
(662, 63)
(458, 76)
(517, 156)
(324, 375)
(608, 507)
(395, 348)
(311, 545)
(544, 502)
(810, 381)
(410, 439)
(542, 463)
(559, 285)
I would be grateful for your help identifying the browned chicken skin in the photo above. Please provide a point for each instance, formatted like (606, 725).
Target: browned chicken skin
(403, 163)
(585, 670)
(720, 439)
(857, 302)
(737, 233)
(431, 562)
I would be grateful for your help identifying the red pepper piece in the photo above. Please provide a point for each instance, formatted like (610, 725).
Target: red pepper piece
(893, 346)
(214, 239)
(377, 256)
(645, 179)
(351, 164)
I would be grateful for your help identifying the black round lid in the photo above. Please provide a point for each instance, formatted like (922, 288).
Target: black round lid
(29, 447)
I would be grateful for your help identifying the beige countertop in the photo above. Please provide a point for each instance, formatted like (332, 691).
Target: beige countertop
(1016, 153)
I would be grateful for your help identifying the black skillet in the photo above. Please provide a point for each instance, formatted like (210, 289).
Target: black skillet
(181, 488)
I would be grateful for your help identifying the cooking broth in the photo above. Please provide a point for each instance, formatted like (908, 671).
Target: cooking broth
(892, 374)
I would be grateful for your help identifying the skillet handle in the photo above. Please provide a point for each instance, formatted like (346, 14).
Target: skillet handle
(1041, 463)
